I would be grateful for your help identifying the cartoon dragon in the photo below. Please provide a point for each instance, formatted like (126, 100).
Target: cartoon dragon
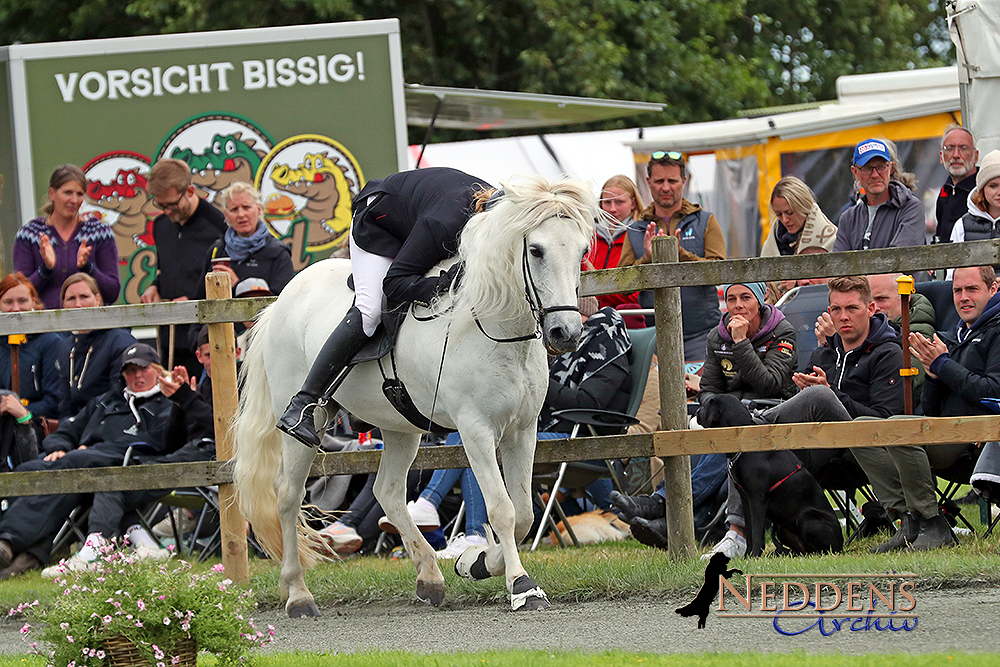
(227, 160)
(327, 190)
(128, 196)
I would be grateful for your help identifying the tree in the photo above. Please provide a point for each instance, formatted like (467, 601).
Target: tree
(706, 59)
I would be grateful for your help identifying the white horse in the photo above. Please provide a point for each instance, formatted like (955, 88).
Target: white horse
(477, 367)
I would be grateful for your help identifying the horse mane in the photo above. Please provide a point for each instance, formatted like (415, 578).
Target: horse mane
(491, 244)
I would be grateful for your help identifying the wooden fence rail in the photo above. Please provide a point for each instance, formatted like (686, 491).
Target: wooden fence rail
(663, 277)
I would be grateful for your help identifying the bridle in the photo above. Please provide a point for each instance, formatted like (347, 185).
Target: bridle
(534, 300)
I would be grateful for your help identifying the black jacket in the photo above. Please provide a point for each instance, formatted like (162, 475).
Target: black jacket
(38, 377)
(971, 369)
(273, 263)
(108, 418)
(952, 203)
(180, 250)
(866, 379)
(89, 364)
(758, 368)
(190, 430)
(414, 217)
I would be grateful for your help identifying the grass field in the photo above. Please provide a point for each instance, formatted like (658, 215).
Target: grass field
(613, 570)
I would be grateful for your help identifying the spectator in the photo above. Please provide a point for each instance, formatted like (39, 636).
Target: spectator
(249, 288)
(38, 379)
(620, 200)
(189, 436)
(700, 239)
(798, 222)
(961, 370)
(252, 251)
(751, 354)
(959, 157)
(982, 221)
(97, 436)
(885, 294)
(89, 362)
(62, 242)
(183, 233)
(888, 215)
(855, 373)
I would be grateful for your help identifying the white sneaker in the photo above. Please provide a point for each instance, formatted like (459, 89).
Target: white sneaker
(733, 545)
(73, 564)
(144, 552)
(458, 544)
(423, 513)
(343, 539)
(186, 522)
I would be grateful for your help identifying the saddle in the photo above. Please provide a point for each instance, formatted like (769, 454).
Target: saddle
(381, 344)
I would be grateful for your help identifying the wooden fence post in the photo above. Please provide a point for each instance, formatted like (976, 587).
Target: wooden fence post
(673, 405)
(222, 340)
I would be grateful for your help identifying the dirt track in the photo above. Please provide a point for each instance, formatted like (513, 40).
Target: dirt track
(964, 619)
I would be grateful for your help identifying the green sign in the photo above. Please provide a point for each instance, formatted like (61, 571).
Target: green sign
(306, 114)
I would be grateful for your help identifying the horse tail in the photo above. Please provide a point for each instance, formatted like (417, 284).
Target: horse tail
(258, 444)
(256, 473)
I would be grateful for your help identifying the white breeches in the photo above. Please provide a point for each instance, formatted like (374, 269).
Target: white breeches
(369, 272)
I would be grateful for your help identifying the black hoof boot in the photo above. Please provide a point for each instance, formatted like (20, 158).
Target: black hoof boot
(526, 594)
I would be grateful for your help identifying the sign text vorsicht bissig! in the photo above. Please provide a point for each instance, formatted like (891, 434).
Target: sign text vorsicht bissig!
(116, 84)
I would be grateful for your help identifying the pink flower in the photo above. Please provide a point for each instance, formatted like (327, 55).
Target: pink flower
(219, 567)
(24, 629)
(166, 621)
(70, 639)
(100, 654)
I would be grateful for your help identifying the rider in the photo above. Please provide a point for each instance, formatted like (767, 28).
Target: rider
(402, 227)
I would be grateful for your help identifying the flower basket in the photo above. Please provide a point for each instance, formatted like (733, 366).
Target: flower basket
(119, 651)
(130, 612)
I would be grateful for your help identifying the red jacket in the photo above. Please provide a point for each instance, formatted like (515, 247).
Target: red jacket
(604, 254)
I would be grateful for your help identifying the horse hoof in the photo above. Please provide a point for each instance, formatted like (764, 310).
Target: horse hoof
(526, 594)
(303, 610)
(431, 593)
(472, 564)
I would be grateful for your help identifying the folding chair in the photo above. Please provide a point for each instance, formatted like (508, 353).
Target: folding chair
(640, 357)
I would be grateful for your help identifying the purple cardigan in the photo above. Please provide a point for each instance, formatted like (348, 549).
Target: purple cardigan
(102, 265)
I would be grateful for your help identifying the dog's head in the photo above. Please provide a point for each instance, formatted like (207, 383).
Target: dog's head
(723, 410)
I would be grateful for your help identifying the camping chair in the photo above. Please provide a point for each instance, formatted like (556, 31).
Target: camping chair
(640, 357)
(801, 306)
(957, 475)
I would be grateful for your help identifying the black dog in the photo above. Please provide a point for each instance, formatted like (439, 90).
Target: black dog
(702, 602)
(775, 486)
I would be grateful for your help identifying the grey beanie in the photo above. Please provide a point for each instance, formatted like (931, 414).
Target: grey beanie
(989, 169)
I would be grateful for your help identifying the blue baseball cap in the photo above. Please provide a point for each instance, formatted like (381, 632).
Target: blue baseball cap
(870, 148)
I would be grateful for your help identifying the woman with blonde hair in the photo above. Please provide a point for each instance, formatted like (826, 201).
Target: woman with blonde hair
(88, 360)
(623, 209)
(62, 242)
(798, 223)
(249, 246)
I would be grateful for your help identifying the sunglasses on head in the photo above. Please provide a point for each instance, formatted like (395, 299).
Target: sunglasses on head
(673, 155)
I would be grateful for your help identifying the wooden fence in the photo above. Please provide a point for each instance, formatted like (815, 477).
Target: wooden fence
(675, 443)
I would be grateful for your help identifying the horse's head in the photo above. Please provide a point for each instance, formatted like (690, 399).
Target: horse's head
(530, 243)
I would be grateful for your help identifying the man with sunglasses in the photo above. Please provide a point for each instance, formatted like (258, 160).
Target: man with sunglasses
(887, 215)
(183, 233)
(700, 239)
(959, 156)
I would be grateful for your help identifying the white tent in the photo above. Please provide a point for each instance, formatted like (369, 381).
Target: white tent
(975, 29)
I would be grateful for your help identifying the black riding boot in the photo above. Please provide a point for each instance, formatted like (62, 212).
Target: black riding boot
(345, 342)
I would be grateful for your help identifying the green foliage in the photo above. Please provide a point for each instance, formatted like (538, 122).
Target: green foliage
(707, 59)
(152, 604)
